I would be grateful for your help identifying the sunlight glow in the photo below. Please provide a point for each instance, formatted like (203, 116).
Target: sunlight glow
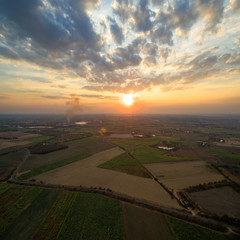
(128, 99)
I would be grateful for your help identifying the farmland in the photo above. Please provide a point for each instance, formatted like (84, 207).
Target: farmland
(9, 161)
(179, 175)
(152, 155)
(124, 163)
(183, 230)
(45, 168)
(85, 219)
(86, 173)
(49, 214)
(126, 159)
(53, 221)
(144, 224)
(222, 201)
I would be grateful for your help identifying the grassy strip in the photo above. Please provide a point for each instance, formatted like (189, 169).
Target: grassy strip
(27, 223)
(153, 155)
(87, 139)
(225, 154)
(184, 231)
(4, 187)
(41, 139)
(93, 216)
(144, 142)
(124, 163)
(45, 168)
(51, 224)
(13, 212)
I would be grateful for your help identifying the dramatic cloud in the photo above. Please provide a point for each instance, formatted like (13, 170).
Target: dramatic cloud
(122, 45)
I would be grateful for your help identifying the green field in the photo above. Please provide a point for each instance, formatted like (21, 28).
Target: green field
(4, 187)
(12, 202)
(186, 231)
(126, 164)
(127, 143)
(28, 222)
(41, 139)
(144, 224)
(87, 139)
(153, 155)
(225, 154)
(52, 223)
(51, 166)
(39, 214)
(93, 217)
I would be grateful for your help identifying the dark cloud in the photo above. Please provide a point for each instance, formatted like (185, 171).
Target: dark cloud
(164, 53)
(116, 31)
(49, 33)
(8, 53)
(142, 16)
(162, 35)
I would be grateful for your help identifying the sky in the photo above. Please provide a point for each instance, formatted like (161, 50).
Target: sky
(89, 56)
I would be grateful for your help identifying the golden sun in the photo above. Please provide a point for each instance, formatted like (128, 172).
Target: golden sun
(128, 99)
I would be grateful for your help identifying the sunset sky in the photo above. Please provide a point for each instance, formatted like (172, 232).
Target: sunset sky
(171, 56)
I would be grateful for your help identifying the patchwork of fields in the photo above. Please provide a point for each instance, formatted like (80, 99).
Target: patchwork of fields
(86, 173)
(40, 214)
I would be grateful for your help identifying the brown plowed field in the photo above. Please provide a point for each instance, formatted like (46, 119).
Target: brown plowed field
(197, 153)
(179, 175)
(219, 200)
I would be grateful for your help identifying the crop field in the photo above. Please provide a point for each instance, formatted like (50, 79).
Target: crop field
(229, 155)
(50, 226)
(129, 143)
(51, 166)
(219, 200)
(76, 149)
(184, 231)
(195, 152)
(124, 163)
(93, 217)
(152, 155)
(9, 161)
(12, 202)
(142, 224)
(42, 214)
(179, 175)
(28, 222)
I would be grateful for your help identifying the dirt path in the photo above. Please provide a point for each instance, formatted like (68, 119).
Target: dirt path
(87, 174)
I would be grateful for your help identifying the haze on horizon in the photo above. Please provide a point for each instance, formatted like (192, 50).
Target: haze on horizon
(170, 56)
